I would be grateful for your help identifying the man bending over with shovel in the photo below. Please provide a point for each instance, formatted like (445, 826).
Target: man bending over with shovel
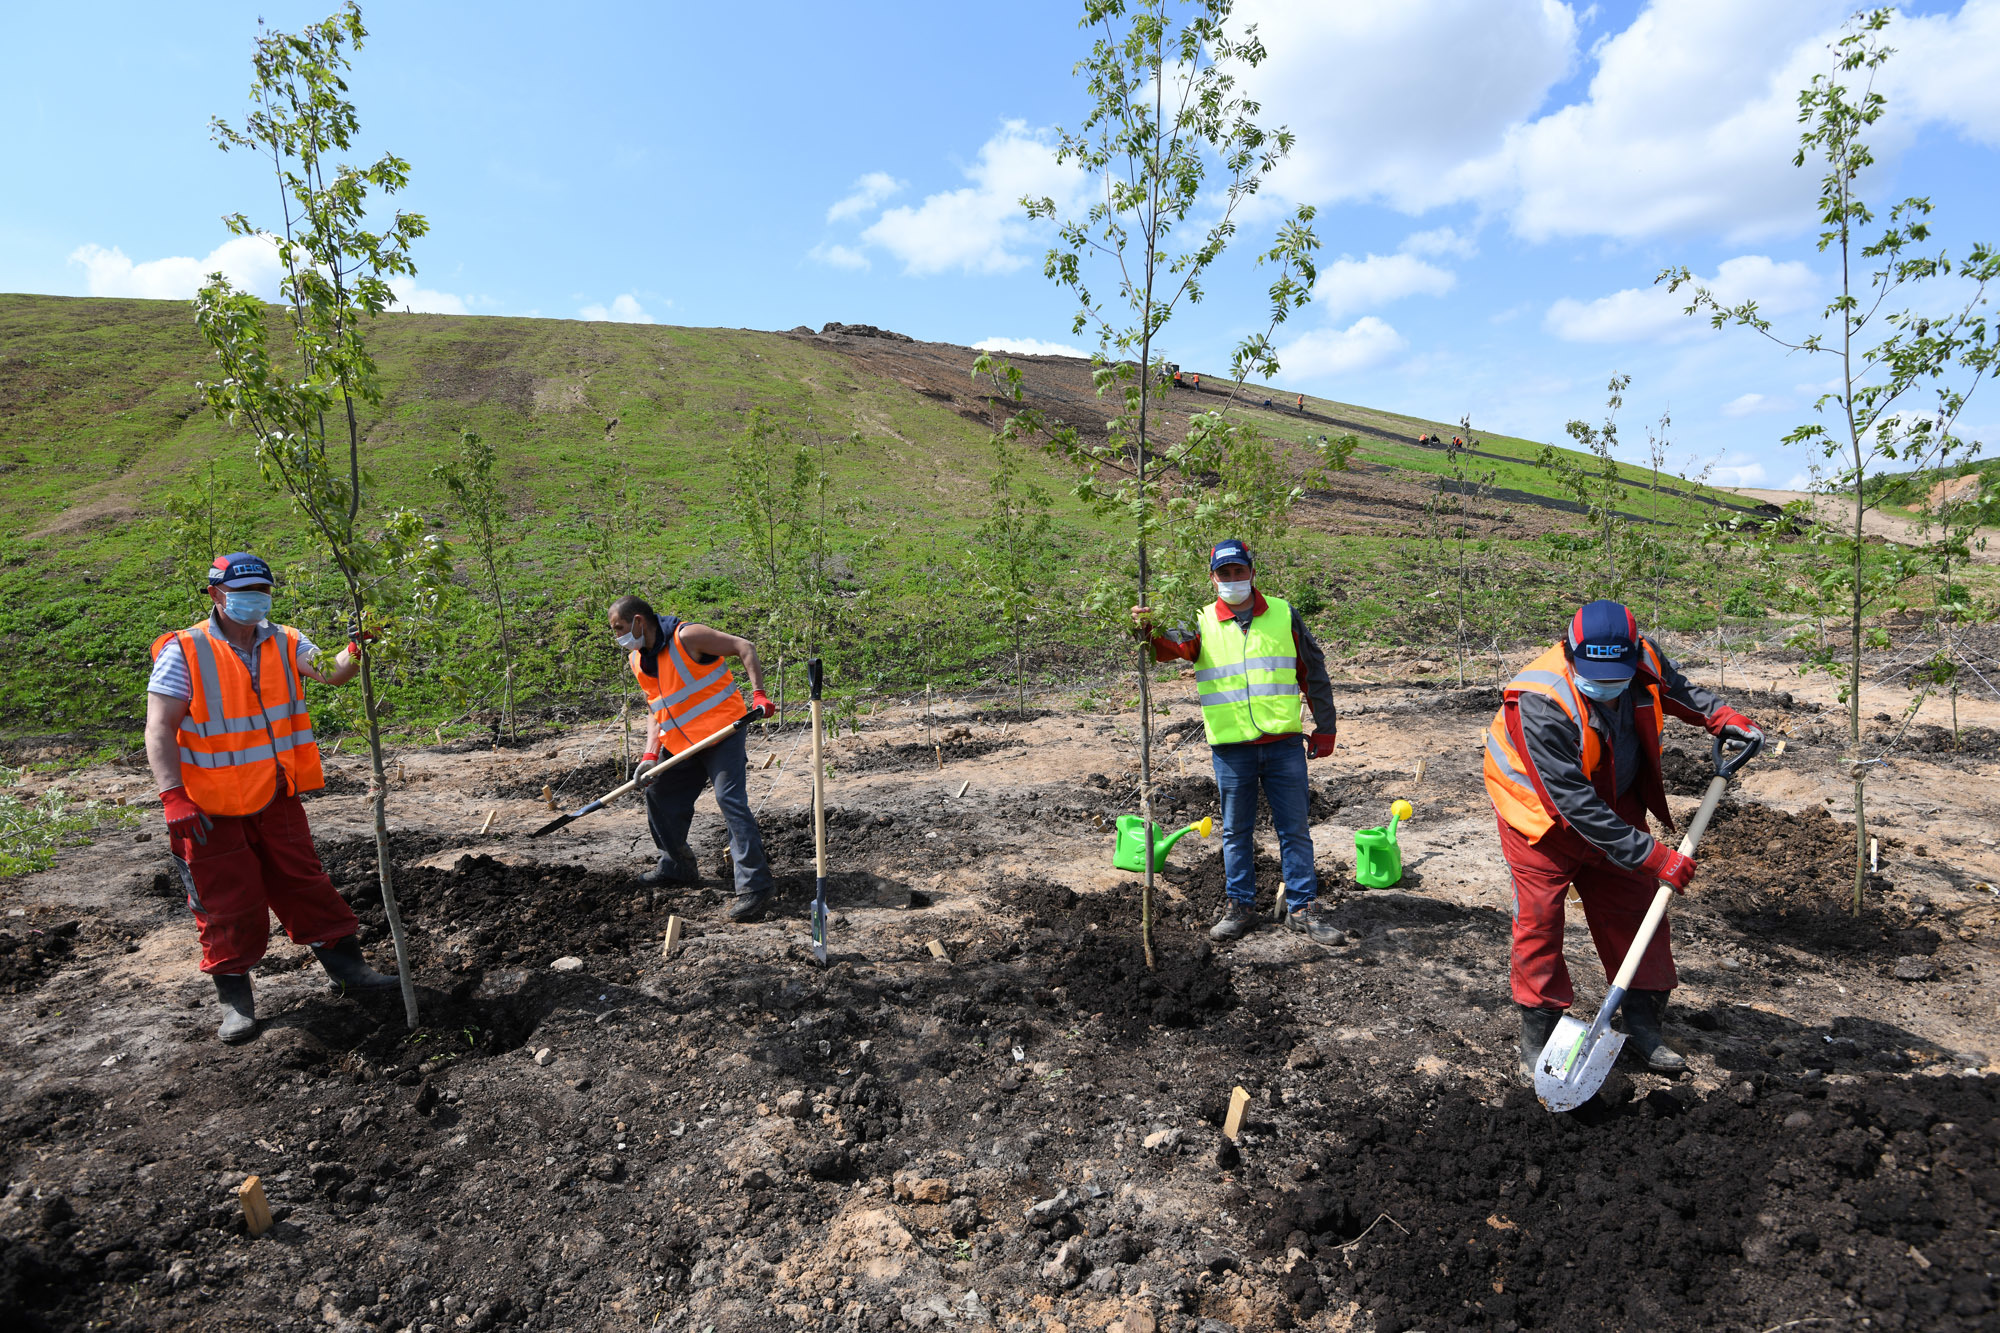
(232, 748)
(682, 667)
(1253, 658)
(1573, 767)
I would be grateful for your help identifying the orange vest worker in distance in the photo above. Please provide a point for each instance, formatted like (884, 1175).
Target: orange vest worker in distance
(231, 744)
(683, 668)
(1573, 770)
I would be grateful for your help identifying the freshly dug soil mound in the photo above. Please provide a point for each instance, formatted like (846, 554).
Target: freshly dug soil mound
(917, 755)
(29, 954)
(1791, 878)
(583, 782)
(930, 839)
(1738, 1211)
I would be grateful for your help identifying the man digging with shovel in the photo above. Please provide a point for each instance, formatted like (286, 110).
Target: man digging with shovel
(1253, 658)
(231, 745)
(1573, 768)
(683, 669)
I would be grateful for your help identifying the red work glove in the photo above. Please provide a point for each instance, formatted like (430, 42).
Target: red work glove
(1729, 724)
(184, 817)
(1670, 866)
(645, 761)
(760, 703)
(1319, 745)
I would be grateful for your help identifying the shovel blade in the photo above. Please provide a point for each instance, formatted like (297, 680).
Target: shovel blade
(1566, 1073)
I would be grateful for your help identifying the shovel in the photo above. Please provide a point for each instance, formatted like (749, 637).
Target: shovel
(643, 778)
(815, 677)
(1574, 1063)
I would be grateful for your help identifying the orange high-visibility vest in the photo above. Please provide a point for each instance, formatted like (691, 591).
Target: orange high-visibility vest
(1510, 776)
(690, 703)
(236, 739)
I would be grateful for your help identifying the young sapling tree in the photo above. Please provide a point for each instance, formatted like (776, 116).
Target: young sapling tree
(475, 493)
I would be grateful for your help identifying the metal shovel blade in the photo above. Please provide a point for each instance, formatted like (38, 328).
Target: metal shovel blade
(1566, 1074)
(819, 923)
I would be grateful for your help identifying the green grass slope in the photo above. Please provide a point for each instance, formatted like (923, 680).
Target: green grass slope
(102, 432)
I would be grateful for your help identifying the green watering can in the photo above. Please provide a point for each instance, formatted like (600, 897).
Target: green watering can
(1378, 857)
(1130, 852)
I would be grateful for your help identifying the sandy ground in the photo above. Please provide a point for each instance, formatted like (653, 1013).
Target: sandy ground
(1889, 527)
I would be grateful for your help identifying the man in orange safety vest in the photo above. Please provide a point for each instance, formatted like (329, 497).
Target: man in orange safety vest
(231, 745)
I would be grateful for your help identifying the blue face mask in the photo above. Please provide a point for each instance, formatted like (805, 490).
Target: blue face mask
(246, 608)
(1604, 691)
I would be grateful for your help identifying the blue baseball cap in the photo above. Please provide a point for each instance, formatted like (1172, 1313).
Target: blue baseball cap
(1229, 551)
(240, 570)
(1603, 641)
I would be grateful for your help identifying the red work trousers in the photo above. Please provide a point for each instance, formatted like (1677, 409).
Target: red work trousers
(1614, 903)
(250, 867)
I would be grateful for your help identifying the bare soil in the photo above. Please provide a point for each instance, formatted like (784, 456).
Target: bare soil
(1025, 1134)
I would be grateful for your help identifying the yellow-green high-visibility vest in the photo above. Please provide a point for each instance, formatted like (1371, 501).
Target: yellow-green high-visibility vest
(1248, 681)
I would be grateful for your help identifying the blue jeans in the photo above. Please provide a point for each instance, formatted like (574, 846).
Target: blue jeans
(1281, 767)
(670, 810)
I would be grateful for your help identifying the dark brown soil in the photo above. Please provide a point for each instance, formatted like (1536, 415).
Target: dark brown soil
(915, 755)
(30, 953)
(1791, 877)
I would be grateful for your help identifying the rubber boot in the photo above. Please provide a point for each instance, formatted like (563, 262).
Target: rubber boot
(1537, 1025)
(1644, 1010)
(1238, 920)
(751, 906)
(239, 1007)
(350, 971)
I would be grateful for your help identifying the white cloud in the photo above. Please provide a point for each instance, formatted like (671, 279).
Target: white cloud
(1737, 474)
(250, 263)
(623, 309)
(1389, 99)
(1748, 404)
(1029, 347)
(837, 256)
(1439, 241)
(1363, 345)
(1349, 285)
(977, 229)
(422, 301)
(1653, 314)
(868, 192)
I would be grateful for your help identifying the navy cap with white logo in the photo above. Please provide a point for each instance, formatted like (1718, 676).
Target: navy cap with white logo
(1229, 551)
(240, 570)
(1603, 641)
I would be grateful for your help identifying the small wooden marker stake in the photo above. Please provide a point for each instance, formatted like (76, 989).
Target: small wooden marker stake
(548, 796)
(940, 755)
(937, 952)
(1239, 1102)
(674, 928)
(1874, 855)
(487, 826)
(256, 1209)
(1422, 764)
(1780, 749)
(769, 759)
(964, 786)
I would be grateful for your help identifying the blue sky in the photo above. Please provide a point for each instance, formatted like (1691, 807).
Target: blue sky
(1498, 180)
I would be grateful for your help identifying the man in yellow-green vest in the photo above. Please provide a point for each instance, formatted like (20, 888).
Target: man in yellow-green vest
(1254, 658)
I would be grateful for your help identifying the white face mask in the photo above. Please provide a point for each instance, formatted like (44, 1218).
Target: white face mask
(630, 641)
(1234, 593)
(1604, 691)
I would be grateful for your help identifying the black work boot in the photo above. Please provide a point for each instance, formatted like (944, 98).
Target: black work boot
(1537, 1025)
(350, 971)
(677, 867)
(751, 906)
(1316, 920)
(1644, 1010)
(239, 1007)
(1238, 920)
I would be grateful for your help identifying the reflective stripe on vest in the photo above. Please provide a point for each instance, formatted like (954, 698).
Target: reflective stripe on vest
(689, 703)
(1509, 781)
(233, 744)
(1255, 695)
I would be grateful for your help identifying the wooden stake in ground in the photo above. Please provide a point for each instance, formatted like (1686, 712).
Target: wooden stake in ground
(674, 928)
(486, 826)
(548, 796)
(964, 786)
(256, 1209)
(1239, 1101)
(937, 952)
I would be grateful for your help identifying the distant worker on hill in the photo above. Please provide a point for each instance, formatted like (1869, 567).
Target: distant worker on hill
(231, 745)
(1573, 767)
(1197, 380)
(1254, 658)
(1302, 402)
(683, 669)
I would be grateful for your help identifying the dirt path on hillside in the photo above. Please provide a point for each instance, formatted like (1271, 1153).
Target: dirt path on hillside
(1026, 1134)
(1839, 513)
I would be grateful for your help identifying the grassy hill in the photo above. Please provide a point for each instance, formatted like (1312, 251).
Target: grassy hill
(615, 439)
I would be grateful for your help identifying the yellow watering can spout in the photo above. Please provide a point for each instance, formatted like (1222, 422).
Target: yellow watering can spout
(1205, 826)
